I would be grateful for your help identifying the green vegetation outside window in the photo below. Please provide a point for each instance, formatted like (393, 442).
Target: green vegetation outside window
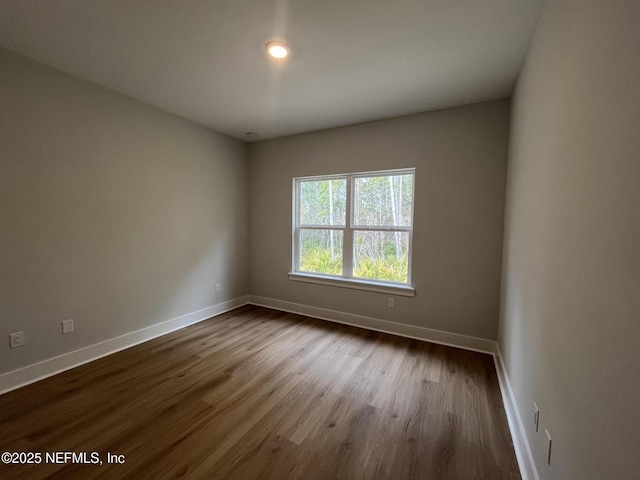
(355, 226)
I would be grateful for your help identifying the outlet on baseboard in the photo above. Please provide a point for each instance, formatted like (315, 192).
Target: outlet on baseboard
(16, 339)
(67, 326)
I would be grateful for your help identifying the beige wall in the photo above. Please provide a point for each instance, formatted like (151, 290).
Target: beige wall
(111, 213)
(460, 158)
(570, 322)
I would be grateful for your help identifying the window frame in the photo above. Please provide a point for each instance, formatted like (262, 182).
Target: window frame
(348, 232)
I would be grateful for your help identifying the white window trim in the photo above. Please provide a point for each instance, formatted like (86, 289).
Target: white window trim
(347, 280)
(399, 289)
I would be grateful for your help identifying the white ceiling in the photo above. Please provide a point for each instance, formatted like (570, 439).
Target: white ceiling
(351, 61)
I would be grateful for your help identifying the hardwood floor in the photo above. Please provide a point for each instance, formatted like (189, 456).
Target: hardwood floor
(257, 393)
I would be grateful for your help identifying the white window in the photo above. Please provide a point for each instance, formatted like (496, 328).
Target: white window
(354, 230)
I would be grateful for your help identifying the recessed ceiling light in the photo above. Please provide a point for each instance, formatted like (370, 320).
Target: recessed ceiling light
(277, 50)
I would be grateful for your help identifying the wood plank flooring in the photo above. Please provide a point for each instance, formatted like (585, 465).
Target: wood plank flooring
(257, 393)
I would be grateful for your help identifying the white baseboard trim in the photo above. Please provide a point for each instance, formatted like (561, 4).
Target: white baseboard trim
(527, 466)
(385, 326)
(52, 366)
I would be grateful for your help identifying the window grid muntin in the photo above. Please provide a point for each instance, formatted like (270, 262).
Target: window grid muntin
(348, 230)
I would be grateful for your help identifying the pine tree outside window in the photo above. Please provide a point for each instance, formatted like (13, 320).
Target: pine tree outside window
(354, 227)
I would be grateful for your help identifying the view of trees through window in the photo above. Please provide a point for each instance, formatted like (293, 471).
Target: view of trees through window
(379, 231)
(322, 202)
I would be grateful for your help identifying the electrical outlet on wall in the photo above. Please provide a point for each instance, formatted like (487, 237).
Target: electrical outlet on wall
(217, 287)
(16, 339)
(536, 416)
(392, 302)
(67, 326)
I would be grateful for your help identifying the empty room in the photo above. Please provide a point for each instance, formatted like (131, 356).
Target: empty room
(333, 240)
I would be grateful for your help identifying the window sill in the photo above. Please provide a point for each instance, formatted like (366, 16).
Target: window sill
(388, 288)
